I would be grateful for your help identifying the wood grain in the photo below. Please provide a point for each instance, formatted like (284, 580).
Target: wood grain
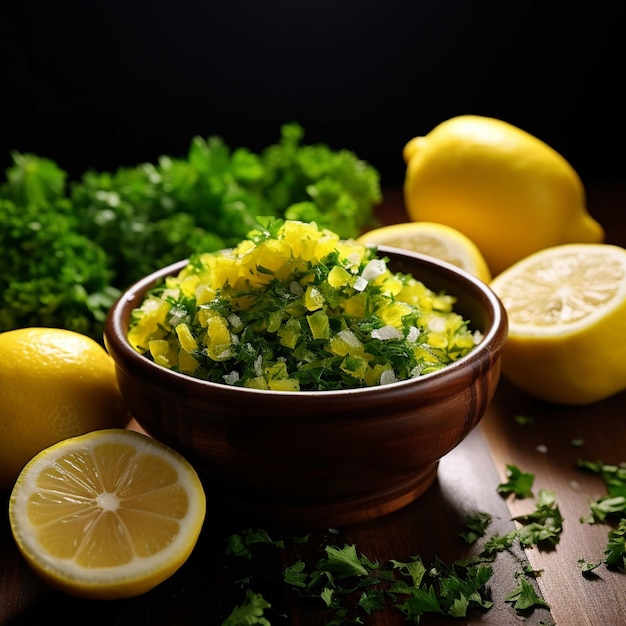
(549, 447)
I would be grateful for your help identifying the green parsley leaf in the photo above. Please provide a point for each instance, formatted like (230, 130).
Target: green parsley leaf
(372, 600)
(468, 587)
(543, 526)
(327, 596)
(239, 544)
(525, 597)
(613, 505)
(422, 600)
(518, 483)
(496, 544)
(477, 526)
(295, 574)
(414, 568)
(250, 613)
(344, 562)
(615, 553)
(586, 567)
(605, 507)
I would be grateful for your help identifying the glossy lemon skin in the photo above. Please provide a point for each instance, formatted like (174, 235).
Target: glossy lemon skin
(54, 384)
(557, 378)
(505, 189)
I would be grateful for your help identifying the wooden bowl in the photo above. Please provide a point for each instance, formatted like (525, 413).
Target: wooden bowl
(318, 458)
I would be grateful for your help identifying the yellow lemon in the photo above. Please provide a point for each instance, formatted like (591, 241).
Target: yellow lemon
(567, 322)
(107, 515)
(436, 240)
(506, 190)
(54, 384)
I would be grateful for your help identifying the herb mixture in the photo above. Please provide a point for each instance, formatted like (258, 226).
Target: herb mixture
(295, 307)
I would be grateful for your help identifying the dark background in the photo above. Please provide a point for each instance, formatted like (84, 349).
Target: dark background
(103, 84)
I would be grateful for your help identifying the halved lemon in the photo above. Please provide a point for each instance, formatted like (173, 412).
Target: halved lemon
(436, 240)
(106, 515)
(567, 322)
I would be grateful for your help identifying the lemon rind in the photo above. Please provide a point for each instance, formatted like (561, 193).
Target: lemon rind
(138, 576)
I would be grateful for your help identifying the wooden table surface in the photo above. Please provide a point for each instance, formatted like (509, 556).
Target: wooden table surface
(208, 586)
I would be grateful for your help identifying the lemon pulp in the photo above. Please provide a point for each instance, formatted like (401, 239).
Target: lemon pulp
(567, 319)
(433, 239)
(106, 515)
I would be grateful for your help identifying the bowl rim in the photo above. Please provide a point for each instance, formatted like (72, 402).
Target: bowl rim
(116, 343)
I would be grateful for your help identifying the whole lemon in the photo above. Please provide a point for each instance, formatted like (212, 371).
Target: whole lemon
(54, 384)
(505, 189)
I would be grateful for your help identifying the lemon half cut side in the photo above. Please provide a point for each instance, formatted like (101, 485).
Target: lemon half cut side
(433, 239)
(567, 322)
(107, 515)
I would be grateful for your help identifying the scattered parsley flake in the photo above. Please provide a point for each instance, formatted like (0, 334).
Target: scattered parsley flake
(613, 505)
(250, 612)
(524, 597)
(586, 567)
(476, 525)
(523, 420)
(542, 527)
(518, 483)
(496, 544)
(610, 508)
(295, 574)
(615, 553)
(238, 544)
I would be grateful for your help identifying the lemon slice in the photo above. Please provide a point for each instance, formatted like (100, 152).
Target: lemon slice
(106, 515)
(567, 322)
(436, 240)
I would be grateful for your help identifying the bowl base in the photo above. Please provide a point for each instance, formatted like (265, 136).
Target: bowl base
(330, 514)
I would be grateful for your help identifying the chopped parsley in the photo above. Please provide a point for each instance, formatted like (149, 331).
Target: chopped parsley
(524, 596)
(351, 586)
(615, 553)
(610, 509)
(543, 526)
(518, 482)
(411, 586)
(249, 612)
(476, 526)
